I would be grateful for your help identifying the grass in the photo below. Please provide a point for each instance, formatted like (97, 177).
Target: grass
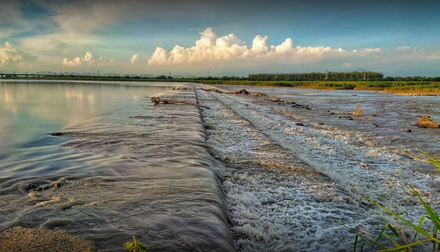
(393, 238)
(426, 122)
(135, 246)
(357, 111)
(403, 87)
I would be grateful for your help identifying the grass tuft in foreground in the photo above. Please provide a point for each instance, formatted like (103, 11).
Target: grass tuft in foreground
(393, 238)
(135, 246)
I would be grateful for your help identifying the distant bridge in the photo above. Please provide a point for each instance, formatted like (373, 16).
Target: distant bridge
(75, 74)
(44, 74)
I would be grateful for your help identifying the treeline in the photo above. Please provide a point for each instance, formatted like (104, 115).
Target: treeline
(336, 76)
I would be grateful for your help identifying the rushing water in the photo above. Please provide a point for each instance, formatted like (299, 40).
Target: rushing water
(121, 168)
(248, 174)
(300, 169)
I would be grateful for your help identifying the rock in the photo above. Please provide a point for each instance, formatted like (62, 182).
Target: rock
(155, 100)
(259, 94)
(209, 127)
(339, 116)
(407, 130)
(243, 91)
(179, 88)
(57, 134)
(56, 185)
(299, 124)
(30, 187)
(320, 123)
(275, 100)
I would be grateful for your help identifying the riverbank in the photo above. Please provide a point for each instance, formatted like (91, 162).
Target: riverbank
(411, 88)
(416, 88)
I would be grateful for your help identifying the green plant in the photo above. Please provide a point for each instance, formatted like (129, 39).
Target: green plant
(135, 246)
(395, 234)
(431, 161)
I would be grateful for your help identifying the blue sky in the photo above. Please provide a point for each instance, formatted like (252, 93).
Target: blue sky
(397, 38)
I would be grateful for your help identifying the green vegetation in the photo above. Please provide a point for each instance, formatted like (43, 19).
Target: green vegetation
(330, 76)
(135, 246)
(393, 238)
(431, 161)
(408, 87)
(336, 76)
(331, 80)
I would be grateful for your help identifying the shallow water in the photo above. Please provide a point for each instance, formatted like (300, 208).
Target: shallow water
(289, 187)
(121, 168)
(241, 175)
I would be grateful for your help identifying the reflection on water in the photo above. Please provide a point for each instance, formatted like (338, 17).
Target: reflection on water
(29, 111)
(122, 167)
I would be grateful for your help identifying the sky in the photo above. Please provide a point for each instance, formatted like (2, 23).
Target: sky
(228, 37)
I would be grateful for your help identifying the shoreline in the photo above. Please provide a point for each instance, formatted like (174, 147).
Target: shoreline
(409, 88)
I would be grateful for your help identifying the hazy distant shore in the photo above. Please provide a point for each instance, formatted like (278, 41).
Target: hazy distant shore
(416, 88)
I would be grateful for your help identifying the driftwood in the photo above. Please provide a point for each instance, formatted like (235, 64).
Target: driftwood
(243, 91)
(179, 88)
(157, 100)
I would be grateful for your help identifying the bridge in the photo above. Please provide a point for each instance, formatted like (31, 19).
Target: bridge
(8, 75)
(28, 74)
(4, 75)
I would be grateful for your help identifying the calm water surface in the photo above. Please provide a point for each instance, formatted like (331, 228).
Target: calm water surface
(30, 111)
(124, 167)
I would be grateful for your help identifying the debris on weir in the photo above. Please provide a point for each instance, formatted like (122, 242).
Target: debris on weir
(216, 90)
(425, 121)
(157, 100)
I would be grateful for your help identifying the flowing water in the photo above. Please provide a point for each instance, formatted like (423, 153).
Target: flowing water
(244, 175)
(300, 168)
(121, 168)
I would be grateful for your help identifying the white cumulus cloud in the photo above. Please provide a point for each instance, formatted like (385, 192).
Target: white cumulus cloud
(134, 58)
(210, 47)
(88, 60)
(11, 57)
